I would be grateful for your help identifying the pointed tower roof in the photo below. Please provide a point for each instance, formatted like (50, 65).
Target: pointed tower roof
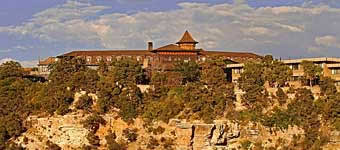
(187, 38)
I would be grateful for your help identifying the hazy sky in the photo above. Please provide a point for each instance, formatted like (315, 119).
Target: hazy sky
(33, 29)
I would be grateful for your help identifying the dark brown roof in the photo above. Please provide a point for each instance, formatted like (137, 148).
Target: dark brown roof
(47, 61)
(174, 48)
(187, 38)
(170, 47)
(231, 54)
(106, 53)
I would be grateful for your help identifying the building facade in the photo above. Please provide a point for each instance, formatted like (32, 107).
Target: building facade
(330, 68)
(153, 59)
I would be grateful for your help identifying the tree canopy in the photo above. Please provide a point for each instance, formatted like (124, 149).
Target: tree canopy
(11, 69)
(311, 71)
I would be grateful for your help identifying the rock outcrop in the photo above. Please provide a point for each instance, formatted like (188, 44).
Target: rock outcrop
(68, 133)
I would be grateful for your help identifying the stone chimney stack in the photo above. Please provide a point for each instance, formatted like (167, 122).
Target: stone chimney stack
(150, 46)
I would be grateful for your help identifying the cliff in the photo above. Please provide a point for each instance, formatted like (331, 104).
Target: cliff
(68, 133)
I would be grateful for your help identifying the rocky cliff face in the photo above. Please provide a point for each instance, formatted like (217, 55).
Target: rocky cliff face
(68, 133)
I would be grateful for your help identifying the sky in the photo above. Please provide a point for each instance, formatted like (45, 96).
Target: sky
(33, 30)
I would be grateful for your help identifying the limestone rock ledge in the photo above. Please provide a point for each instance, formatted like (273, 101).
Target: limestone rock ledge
(68, 133)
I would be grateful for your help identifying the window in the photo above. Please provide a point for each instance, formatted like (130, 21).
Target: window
(99, 58)
(337, 83)
(108, 58)
(238, 70)
(295, 78)
(138, 58)
(170, 58)
(320, 65)
(88, 58)
(336, 71)
(294, 66)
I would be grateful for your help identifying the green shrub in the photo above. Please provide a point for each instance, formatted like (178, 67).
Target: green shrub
(248, 115)
(158, 130)
(167, 143)
(128, 110)
(281, 96)
(89, 147)
(115, 146)
(85, 102)
(327, 86)
(279, 119)
(162, 110)
(52, 146)
(130, 134)
(93, 139)
(246, 144)
(336, 124)
(93, 122)
(153, 143)
(291, 90)
(111, 142)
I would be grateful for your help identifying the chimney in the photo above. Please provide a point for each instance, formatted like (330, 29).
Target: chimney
(150, 46)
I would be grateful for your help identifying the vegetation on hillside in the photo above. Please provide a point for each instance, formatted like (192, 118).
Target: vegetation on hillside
(194, 91)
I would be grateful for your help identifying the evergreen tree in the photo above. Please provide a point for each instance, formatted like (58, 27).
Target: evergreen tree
(281, 96)
(327, 86)
(190, 71)
(11, 69)
(127, 70)
(311, 71)
(251, 82)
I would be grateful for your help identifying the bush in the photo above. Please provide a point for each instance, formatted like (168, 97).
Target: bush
(115, 146)
(84, 80)
(158, 130)
(336, 124)
(88, 147)
(246, 144)
(327, 86)
(153, 143)
(93, 139)
(53, 98)
(128, 110)
(291, 90)
(167, 143)
(248, 115)
(163, 110)
(279, 119)
(11, 69)
(63, 109)
(85, 102)
(52, 146)
(111, 142)
(93, 122)
(281, 96)
(130, 135)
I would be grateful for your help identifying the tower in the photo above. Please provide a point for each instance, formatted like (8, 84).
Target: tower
(187, 42)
